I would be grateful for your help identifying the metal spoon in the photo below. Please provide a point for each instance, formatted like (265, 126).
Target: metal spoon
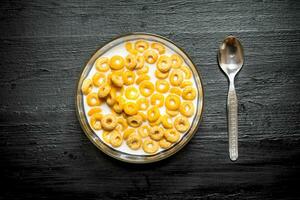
(231, 60)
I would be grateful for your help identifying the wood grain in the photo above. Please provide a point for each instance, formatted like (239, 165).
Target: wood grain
(45, 154)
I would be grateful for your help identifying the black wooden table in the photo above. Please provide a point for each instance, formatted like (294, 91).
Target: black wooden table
(44, 152)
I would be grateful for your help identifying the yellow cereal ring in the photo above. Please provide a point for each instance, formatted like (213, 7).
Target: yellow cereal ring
(189, 93)
(164, 63)
(121, 124)
(172, 135)
(156, 133)
(158, 47)
(117, 79)
(172, 113)
(110, 99)
(96, 121)
(130, 62)
(135, 121)
(116, 91)
(143, 103)
(143, 131)
(134, 141)
(109, 122)
(172, 102)
(153, 114)
(116, 62)
(150, 56)
(128, 77)
(162, 86)
(187, 108)
(143, 70)
(142, 77)
(143, 115)
(94, 110)
(141, 46)
(102, 64)
(181, 124)
(131, 93)
(104, 90)
(161, 75)
(187, 72)
(86, 86)
(150, 146)
(129, 47)
(176, 90)
(99, 79)
(176, 61)
(128, 132)
(157, 100)
(146, 88)
(166, 121)
(119, 104)
(155, 123)
(106, 136)
(163, 143)
(116, 138)
(185, 84)
(130, 108)
(139, 62)
(92, 99)
(176, 77)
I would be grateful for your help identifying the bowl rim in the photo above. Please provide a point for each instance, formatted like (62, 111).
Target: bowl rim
(133, 158)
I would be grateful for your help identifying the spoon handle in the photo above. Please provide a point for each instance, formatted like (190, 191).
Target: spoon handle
(232, 111)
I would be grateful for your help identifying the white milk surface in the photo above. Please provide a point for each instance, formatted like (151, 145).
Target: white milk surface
(120, 50)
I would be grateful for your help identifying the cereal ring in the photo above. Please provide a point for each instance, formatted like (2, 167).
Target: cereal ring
(176, 77)
(121, 124)
(150, 56)
(130, 62)
(158, 47)
(185, 84)
(187, 72)
(106, 136)
(172, 102)
(110, 99)
(176, 61)
(141, 46)
(134, 141)
(161, 75)
(142, 77)
(109, 122)
(146, 88)
(157, 100)
(86, 86)
(99, 79)
(116, 138)
(181, 124)
(95, 121)
(129, 47)
(128, 77)
(143, 103)
(153, 114)
(189, 93)
(143, 70)
(187, 108)
(163, 143)
(116, 62)
(115, 91)
(176, 90)
(139, 62)
(172, 135)
(143, 131)
(94, 110)
(156, 133)
(102, 64)
(131, 93)
(164, 63)
(117, 79)
(143, 115)
(128, 132)
(119, 104)
(166, 121)
(92, 99)
(104, 90)
(162, 86)
(172, 113)
(155, 123)
(134, 121)
(130, 108)
(150, 146)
